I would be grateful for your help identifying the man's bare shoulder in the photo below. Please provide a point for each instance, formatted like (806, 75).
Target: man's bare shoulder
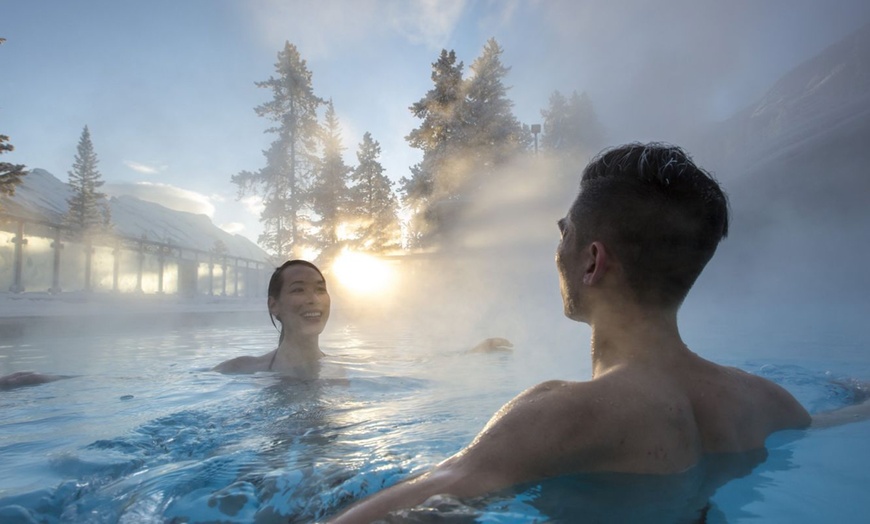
(552, 401)
(555, 415)
(737, 410)
(244, 364)
(784, 409)
(548, 399)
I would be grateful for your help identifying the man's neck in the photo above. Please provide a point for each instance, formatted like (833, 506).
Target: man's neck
(627, 332)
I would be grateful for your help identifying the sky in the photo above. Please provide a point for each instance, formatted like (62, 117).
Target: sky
(167, 88)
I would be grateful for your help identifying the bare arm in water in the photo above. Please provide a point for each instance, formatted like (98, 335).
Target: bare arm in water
(516, 445)
(26, 378)
(856, 412)
(478, 469)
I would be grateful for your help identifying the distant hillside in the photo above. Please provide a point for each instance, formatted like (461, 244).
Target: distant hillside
(796, 167)
(42, 196)
(819, 94)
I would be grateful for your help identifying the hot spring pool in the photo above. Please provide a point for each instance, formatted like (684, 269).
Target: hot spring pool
(145, 433)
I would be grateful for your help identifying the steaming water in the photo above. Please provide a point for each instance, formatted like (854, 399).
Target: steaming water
(145, 434)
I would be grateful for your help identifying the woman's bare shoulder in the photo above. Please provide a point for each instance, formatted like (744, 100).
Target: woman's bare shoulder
(244, 364)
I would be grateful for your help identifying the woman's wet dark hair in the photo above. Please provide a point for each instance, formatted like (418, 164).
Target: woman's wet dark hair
(276, 283)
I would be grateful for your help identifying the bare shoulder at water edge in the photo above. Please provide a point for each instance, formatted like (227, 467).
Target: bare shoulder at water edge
(244, 364)
(27, 378)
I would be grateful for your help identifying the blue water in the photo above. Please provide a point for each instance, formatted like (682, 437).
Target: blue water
(144, 433)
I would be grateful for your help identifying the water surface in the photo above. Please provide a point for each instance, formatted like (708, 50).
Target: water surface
(145, 433)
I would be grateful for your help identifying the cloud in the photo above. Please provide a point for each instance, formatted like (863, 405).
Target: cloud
(319, 29)
(144, 168)
(233, 227)
(166, 195)
(254, 204)
(498, 15)
(428, 22)
(329, 27)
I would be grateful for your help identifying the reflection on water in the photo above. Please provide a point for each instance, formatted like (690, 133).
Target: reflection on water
(146, 434)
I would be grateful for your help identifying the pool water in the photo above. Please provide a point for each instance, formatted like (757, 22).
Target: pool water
(145, 433)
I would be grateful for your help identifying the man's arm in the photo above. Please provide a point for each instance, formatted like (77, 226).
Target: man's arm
(856, 412)
(407, 494)
(507, 451)
(853, 413)
(462, 475)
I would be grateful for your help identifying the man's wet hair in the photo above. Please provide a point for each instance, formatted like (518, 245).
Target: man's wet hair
(658, 213)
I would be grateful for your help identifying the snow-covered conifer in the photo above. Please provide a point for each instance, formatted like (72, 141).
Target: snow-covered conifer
(329, 191)
(373, 204)
(285, 182)
(88, 211)
(10, 174)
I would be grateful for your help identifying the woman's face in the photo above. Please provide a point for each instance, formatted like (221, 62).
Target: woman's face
(302, 306)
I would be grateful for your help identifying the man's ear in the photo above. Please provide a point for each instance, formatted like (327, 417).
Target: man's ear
(597, 262)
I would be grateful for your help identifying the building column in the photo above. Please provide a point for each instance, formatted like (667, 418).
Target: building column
(20, 242)
(56, 245)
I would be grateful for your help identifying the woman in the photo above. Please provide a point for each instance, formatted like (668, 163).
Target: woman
(298, 299)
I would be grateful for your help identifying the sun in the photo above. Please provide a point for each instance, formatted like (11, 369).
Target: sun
(361, 273)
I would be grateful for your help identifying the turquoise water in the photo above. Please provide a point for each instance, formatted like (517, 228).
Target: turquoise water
(144, 433)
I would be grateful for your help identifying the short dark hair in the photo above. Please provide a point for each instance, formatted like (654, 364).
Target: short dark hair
(661, 216)
(276, 282)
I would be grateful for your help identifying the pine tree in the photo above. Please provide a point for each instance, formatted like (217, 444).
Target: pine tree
(329, 195)
(572, 131)
(373, 203)
(590, 131)
(494, 135)
(88, 208)
(555, 135)
(468, 129)
(10, 174)
(285, 182)
(439, 176)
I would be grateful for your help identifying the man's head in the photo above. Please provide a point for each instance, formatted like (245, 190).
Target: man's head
(656, 213)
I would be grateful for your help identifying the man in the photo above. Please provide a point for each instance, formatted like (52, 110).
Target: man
(645, 223)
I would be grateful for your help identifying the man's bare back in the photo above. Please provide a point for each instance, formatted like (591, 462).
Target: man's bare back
(632, 419)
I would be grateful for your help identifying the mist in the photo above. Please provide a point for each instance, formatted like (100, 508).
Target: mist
(709, 77)
(792, 160)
